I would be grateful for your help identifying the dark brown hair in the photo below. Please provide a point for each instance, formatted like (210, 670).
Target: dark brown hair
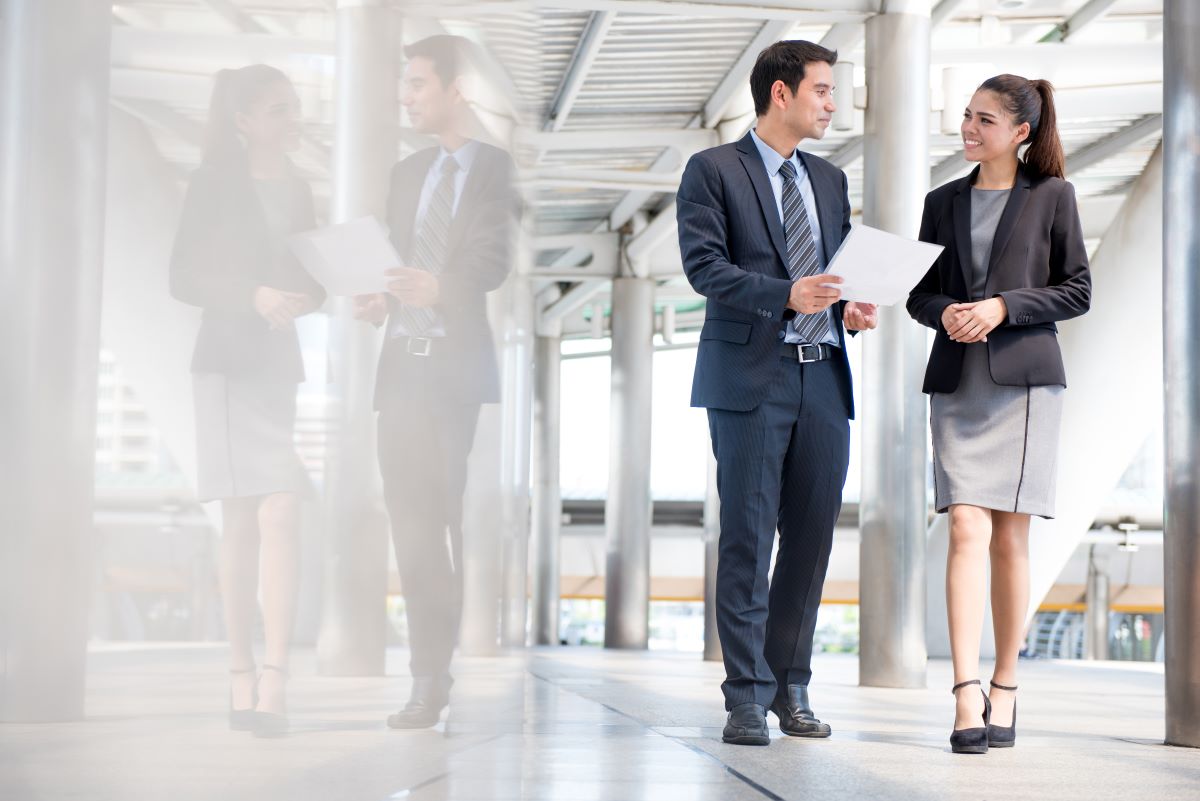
(451, 55)
(784, 61)
(235, 91)
(1032, 102)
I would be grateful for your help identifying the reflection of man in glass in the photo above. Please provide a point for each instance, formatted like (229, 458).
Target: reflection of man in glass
(451, 211)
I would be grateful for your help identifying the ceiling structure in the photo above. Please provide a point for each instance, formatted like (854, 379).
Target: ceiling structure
(602, 101)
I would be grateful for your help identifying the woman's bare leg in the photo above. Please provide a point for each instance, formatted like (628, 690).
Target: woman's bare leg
(239, 592)
(278, 525)
(1010, 603)
(966, 589)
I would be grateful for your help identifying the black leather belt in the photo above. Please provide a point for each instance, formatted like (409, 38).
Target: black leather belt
(806, 353)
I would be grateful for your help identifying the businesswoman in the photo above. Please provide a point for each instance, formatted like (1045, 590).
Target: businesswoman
(1014, 264)
(231, 259)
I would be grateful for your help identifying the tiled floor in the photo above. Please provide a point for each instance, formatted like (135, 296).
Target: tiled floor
(584, 724)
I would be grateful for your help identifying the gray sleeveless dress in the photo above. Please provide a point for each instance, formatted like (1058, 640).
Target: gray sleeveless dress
(993, 446)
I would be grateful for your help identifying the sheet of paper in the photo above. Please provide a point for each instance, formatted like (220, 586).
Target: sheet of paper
(348, 258)
(878, 267)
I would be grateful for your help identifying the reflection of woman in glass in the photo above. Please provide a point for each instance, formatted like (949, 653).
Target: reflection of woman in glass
(231, 259)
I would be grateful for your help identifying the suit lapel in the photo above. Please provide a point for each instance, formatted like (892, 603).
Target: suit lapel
(828, 216)
(476, 178)
(962, 226)
(408, 198)
(757, 171)
(1009, 217)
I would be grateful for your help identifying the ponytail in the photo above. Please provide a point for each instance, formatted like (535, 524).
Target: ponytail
(1033, 102)
(1045, 153)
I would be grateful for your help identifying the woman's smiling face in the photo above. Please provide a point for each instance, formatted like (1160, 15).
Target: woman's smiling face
(987, 129)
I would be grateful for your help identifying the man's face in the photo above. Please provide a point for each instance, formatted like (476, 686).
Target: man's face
(808, 113)
(432, 106)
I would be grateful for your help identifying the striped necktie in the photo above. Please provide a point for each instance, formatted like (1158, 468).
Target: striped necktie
(802, 253)
(429, 254)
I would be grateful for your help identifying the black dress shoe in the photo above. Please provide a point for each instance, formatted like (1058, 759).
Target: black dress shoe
(746, 725)
(973, 740)
(1003, 736)
(430, 695)
(796, 717)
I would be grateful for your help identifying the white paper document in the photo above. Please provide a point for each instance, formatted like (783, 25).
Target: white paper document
(348, 258)
(878, 267)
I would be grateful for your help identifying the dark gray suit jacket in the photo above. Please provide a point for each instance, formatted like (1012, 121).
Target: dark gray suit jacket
(1039, 266)
(223, 251)
(733, 251)
(478, 259)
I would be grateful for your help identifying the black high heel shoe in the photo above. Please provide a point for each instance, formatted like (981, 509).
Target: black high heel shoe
(271, 724)
(243, 719)
(974, 740)
(1003, 736)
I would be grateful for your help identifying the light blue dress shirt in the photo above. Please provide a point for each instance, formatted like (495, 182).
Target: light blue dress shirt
(465, 156)
(773, 161)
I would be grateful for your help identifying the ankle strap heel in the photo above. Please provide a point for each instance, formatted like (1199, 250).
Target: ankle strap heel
(1003, 736)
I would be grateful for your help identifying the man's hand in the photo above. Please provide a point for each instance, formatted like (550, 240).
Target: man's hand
(371, 308)
(278, 307)
(860, 316)
(412, 287)
(809, 297)
(972, 322)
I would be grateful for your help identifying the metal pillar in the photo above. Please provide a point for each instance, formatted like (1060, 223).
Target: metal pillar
(516, 435)
(547, 494)
(53, 135)
(712, 539)
(892, 555)
(1095, 626)
(1181, 355)
(352, 639)
(628, 510)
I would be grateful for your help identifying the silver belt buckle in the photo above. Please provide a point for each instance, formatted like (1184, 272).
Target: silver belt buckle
(419, 346)
(815, 349)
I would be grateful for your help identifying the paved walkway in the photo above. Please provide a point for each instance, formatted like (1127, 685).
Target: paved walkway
(587, 725)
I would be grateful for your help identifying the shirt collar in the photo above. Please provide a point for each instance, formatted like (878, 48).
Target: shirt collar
(772, 159)
(465, 156)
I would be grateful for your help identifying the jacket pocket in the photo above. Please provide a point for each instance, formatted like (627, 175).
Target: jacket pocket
(726, 331)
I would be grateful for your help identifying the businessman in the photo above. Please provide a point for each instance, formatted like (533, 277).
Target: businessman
(759, 221)
(452, 215)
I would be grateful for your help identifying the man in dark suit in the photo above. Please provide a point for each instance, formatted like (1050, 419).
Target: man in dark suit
(758, 223)
(452, 215)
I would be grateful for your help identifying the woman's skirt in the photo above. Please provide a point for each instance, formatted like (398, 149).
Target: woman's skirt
(244, 437)
(995, 446)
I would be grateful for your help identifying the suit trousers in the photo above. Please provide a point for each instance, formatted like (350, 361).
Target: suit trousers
(424, 440)
(780, 467)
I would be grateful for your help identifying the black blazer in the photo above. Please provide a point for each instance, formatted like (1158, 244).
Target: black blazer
(462, 364)
(223, 251)
(731, 240)
(1039, 266)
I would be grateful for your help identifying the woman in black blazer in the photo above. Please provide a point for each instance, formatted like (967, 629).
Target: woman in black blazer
(231, 259)
(1014, 264)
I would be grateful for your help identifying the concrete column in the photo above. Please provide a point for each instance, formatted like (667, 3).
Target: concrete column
(1095, 626)
(712, 539)
(352, 639)
(53, 135)
(893, 523)
(547, 494)
(1181, 355)
(517, 371)
(628, 511)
